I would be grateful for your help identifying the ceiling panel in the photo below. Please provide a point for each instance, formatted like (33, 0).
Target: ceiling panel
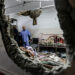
(9, 3)
(19, 8)
(47, 3)
(12, 6)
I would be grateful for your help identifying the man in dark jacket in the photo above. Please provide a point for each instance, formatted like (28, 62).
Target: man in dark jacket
(16, 34)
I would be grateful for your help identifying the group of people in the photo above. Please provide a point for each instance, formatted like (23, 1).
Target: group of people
(23, 37)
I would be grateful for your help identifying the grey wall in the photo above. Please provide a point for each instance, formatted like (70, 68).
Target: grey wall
(47, 23)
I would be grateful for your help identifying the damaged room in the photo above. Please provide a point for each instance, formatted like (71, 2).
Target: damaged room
(37, 37)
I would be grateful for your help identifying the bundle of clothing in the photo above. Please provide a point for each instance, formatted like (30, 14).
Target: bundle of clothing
(29, 51)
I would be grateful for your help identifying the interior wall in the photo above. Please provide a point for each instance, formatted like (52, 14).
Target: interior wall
(47, 23)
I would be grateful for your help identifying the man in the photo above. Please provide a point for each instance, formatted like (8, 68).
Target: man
(16, 34)
(25, 34)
